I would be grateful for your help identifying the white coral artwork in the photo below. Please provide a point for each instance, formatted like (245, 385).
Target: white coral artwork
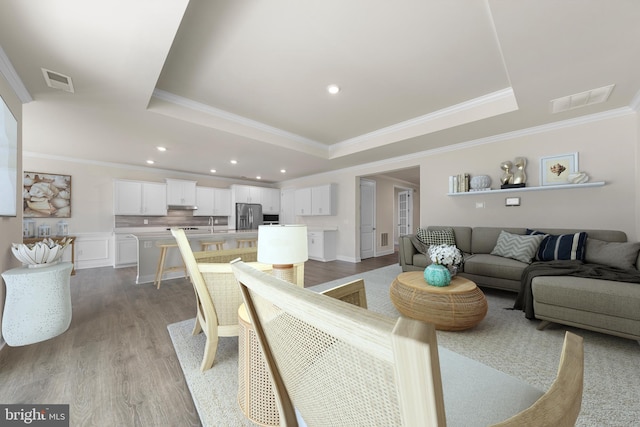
(46, 195)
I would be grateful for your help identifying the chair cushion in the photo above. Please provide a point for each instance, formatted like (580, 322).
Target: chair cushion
(519, 247)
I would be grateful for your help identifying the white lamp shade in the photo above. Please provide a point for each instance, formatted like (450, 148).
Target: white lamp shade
(282, 244)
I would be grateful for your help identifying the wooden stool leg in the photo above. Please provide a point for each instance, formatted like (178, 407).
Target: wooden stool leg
(163, 254)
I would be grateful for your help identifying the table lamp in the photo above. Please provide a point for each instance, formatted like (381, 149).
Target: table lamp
(282, 246)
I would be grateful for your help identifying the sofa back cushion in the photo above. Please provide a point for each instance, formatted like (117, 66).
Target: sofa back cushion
(484, 239)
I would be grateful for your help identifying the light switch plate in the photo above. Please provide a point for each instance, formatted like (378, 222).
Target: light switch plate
(512, 201)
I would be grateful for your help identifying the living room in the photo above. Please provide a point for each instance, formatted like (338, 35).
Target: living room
(603, 138)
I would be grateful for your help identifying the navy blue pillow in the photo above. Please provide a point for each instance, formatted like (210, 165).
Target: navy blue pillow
(561, 247)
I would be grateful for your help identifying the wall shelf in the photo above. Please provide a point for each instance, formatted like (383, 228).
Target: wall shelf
(515, 190)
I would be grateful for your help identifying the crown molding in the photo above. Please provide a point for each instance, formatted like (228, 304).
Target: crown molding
(234, 118)
(12, 77)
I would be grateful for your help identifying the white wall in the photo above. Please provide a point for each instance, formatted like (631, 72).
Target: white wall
(607, 151)
(10, 227)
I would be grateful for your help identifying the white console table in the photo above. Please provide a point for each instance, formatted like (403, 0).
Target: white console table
(38, 303)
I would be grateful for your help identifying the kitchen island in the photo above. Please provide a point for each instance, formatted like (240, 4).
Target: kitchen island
(149, 252)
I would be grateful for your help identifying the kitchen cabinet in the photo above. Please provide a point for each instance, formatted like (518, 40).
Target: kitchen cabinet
(181, 192)
(246, 194)
(302, 201)
(318, 200)
(221, 202)
(139, 198)
(322, 245)
(270, 200)
(213, 201)
(126, 250)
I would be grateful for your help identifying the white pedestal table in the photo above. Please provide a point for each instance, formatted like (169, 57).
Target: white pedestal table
(38, 303)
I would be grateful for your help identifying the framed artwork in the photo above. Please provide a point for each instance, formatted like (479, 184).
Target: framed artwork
(554, 170)
(8, 161)
(46, 195)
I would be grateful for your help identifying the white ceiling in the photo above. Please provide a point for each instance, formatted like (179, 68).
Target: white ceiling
(238, 79)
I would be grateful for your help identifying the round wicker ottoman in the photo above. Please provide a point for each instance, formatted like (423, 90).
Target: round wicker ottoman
(461, 305)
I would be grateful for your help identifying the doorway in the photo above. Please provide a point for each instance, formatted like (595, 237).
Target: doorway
(367, 219)
(405, 212)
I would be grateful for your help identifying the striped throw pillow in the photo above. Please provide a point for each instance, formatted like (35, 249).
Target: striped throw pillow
(561, 246)
(436, 237)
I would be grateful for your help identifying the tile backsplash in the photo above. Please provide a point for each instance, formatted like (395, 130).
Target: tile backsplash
(174, 218)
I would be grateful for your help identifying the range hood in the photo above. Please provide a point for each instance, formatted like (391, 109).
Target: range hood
(182, 207)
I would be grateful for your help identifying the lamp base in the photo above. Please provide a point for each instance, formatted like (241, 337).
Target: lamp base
(284, 272)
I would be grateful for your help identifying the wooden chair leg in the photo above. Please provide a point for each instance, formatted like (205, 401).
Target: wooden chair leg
(163, 254)
(210, 348)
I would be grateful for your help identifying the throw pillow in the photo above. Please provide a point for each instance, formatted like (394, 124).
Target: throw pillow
(519, 247)
(613, 254)
(561, 247)
(436, 237)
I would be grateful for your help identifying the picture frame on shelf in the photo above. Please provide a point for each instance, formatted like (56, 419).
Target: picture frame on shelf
(554, 170)
(46, 195)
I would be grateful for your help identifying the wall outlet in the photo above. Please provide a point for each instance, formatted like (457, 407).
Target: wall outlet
(145, 222)
(479, 205)
(147, 245)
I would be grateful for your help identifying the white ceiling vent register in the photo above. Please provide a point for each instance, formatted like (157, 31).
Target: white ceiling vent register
(57, 80)
(582, 99)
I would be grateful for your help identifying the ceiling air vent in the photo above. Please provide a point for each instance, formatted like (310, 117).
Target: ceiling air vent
(582, 99)
(57, 80)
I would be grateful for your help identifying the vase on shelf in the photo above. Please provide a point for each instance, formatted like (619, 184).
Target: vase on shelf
(437, 275)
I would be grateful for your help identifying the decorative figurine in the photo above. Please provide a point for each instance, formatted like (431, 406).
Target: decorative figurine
(519, 175)
(507, 176)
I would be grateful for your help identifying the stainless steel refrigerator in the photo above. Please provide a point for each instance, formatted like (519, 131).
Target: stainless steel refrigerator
(248, 216)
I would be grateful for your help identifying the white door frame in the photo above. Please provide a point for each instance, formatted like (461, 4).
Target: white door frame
(372, 184)
(409, 226)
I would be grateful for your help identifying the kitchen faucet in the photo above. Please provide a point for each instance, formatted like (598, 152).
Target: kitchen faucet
(211, 224)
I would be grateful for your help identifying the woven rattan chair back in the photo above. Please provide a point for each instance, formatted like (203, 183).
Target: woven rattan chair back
(217, 296)
(560, 405)
(339, 364)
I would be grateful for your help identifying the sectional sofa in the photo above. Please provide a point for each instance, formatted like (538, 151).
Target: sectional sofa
(552, 291)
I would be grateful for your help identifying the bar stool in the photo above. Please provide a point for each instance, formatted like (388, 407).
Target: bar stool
(205, 245)
(164, 248)
(240, 243)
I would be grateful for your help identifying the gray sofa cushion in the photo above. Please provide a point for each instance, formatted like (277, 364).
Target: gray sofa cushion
(620, 299)
(614, 254)
(494, 266)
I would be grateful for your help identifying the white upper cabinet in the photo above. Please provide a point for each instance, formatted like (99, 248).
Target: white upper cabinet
(204, 201)
(271, 200)
(139, 198)
(221, 202)
(213, 201)
(181, 192)
(246, 194)
(318, 200)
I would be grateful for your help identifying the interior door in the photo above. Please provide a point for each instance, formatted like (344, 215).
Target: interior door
(405, 206)
(367, 218)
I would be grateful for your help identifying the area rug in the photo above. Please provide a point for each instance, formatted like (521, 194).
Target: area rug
(504, 340)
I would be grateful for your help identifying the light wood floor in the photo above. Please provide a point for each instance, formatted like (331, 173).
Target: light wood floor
(116, 365)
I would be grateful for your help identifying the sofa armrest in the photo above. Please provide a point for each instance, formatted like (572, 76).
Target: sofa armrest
(406, 250)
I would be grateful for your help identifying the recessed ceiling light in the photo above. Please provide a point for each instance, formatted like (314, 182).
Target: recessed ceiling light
(213, 171)
(333, 89)
(283, 171)
(161, 148)
(150, 162)
(258, 177)
(234, 162)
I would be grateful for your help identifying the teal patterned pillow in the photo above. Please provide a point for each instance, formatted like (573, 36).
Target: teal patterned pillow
(436, 237)
(519, 247)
